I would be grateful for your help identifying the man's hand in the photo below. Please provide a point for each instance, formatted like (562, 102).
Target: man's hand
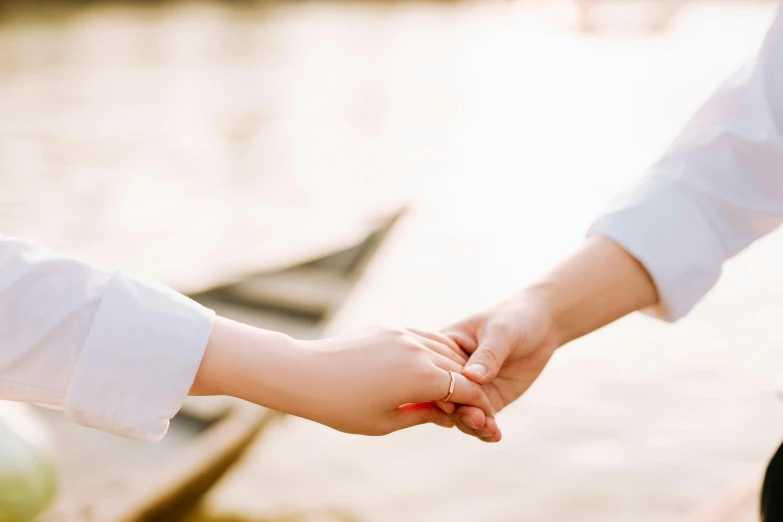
(510, 345)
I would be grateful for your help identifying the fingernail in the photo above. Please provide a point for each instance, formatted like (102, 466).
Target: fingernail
(467, 421)
(477, 369)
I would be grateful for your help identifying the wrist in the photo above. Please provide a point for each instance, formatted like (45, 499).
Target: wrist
(597, 285)
(546, 298)
(249, 363)
(273, 371)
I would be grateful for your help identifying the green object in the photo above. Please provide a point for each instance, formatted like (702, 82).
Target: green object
(28, 479)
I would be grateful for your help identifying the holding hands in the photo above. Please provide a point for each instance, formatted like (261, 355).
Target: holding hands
(373, 383)
(509, 346)
(385, 380)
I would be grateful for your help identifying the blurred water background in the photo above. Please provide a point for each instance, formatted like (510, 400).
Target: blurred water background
(187, 134)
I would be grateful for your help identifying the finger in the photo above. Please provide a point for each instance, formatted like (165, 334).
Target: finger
(444, 362)
(443, 350)
(462, 338)
(494, 348)
(462, 426)
(464, 332)
(494, 429)
(443, 339)
(473, 433)
(440, 382)
(491, 426)
(446, 406)
(469, 393)
(471, 416)
(429, 380)
(465, 429)
(416, 414)
(467, 415)
(488, 431)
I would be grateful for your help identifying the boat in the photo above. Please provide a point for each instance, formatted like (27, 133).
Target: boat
(109, 479)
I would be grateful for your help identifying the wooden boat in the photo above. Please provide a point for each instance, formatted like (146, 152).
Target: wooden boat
(109, 479)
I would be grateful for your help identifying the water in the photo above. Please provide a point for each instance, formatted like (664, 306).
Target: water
(505, 132)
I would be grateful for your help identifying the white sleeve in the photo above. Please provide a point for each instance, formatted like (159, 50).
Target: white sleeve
(718, 188)
(116, 352)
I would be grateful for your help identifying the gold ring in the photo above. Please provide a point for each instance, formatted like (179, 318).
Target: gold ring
(451, 387)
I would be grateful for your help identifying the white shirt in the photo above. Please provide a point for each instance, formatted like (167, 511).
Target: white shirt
(116, 352)
(718, 188)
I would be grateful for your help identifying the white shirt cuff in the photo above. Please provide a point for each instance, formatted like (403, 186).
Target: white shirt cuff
(140, 359)
(660, 225)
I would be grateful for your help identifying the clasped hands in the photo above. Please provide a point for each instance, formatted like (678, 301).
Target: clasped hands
(386, 380)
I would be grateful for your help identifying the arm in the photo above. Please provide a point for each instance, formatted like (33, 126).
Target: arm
(120, 354)
(661, 245)
(353, 384)
(597, 285)
(512, 342)
(717, 189)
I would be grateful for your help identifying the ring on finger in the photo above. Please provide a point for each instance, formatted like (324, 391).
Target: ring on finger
(452, 383)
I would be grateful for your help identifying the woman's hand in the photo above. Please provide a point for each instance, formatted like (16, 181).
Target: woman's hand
(385, 380)
(374, 383)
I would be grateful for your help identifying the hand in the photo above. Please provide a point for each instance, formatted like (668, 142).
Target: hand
(512, 342)
(386, 380)
(375, 383)
(510, 345)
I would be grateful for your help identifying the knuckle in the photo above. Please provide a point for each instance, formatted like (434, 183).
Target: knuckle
(397, 332)
(412, 347)
(450, 343)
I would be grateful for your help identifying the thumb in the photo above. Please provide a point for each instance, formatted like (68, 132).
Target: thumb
(416, 414)
(493, 349)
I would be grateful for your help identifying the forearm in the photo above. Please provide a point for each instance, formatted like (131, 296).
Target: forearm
(252, 364)
(597, 285)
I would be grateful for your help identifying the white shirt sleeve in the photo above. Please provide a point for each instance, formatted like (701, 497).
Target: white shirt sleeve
(718, 188)
(116, 352)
